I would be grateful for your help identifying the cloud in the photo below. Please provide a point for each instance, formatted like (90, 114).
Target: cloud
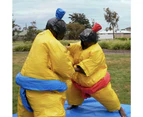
(42, 10)
(128, 2)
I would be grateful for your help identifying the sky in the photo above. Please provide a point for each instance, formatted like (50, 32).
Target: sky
(26, 11)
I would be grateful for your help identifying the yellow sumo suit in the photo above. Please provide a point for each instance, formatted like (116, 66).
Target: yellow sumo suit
(48, 60)
(93, 63)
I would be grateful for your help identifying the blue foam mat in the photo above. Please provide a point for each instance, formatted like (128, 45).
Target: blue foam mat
(92, 108)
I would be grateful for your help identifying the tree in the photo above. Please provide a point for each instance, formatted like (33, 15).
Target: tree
(16, 29)
(73, 30)
(80, 18)
(31, 32)
(112, 18)
(93, 22)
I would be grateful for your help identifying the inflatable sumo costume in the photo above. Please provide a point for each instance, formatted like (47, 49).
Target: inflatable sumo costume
(44, 73)
(95, 81)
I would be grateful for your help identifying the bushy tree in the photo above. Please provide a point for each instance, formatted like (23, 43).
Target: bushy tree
(31, 32)
(80, 18)
(112, 18)
(16, 29)
(73, 30)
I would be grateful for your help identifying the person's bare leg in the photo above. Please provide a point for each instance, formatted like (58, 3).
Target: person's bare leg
(71, 107)
(122, 112)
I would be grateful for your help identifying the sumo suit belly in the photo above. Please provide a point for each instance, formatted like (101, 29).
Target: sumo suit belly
(46, 103)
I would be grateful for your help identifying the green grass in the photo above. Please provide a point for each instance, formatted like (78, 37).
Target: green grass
(18, 60)
(118, 67)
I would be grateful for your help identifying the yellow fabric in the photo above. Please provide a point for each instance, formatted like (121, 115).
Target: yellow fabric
(21, 111)
(73, 95)
(92, 61)
(108, 98)
(48, 59)
(44, 104)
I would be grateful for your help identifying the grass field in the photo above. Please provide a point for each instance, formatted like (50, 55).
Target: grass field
(118, 67)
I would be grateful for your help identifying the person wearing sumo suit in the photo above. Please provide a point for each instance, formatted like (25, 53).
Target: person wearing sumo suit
(91, 78)
(42, 79)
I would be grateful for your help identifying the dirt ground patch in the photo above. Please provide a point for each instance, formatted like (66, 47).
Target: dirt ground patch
(106, 51)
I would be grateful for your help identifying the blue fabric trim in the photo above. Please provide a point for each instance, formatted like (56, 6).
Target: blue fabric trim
(29, 83)
(24, 100)
(60, 13)
(92, 108)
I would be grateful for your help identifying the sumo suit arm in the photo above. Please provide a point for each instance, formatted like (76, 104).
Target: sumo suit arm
(60, 59)
(92, 64)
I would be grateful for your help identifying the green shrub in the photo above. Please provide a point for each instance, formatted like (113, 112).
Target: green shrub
(115, 44)
(127, 45)
(120, 45)
(104, 44)
(123, 39)
(22, 48)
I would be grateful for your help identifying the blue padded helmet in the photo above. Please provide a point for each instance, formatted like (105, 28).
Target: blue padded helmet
(56, 25)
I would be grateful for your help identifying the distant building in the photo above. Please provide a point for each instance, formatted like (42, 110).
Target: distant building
(105, 35)
(128, 29)
(123, 33)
